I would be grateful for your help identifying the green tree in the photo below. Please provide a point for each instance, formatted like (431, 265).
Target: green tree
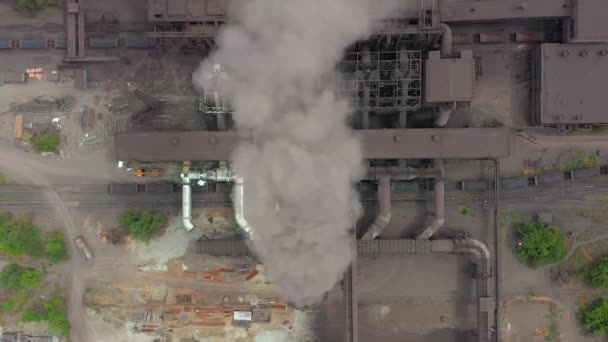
(46, 143)
(594, 317)
(58, 321)
(15, 277)
(55, 247)
(597, 274)
(30, 278)
(11, 276)
(142, 225)
(20, 237)
(540, 244)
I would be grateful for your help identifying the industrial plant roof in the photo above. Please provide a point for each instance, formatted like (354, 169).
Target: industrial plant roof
(589, 21)
(449, 79)
(465, 143)
(185, 10)
(573, 80)
(474, 10)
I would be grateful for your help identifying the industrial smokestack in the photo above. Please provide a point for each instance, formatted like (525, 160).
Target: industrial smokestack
(301, 170)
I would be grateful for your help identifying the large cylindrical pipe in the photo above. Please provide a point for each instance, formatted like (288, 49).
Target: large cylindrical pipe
(384, 210)
(446, 40)
(238, 202)
(445, 111)
(187, 206)
(439, 220)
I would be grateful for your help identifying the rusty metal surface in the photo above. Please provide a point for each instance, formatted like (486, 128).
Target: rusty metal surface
(464, 143)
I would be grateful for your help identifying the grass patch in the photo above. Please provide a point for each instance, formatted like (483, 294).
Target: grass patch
(48, 142)
(597, 198)
(596, 215)
(603, 129)
(581, 159)
(4, 180)
(467, 211)
(508, 218)
(553, 318)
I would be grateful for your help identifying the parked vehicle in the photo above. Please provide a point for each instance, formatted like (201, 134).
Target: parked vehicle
(84, 249)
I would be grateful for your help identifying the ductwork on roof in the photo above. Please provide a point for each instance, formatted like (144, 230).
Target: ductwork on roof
(187, 202)
(238, 202)
(446, 40)
(445, 111)
(439, 219)
(221, 174)
(384, 210)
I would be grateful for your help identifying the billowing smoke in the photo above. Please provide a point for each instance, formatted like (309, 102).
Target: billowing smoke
(301, 169)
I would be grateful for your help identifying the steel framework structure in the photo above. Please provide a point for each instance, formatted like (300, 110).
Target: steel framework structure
(382, 81)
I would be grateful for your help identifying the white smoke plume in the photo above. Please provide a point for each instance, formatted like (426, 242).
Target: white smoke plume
(300, 172)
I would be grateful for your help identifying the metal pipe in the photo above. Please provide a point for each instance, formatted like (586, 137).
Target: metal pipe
(238, 202)
(439, 203)
(497, 249)
(187, 203)
(481, 254)
(446, 40)
(445, 111)
(384, 210)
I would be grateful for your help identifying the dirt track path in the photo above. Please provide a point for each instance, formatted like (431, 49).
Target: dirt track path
(17, 165)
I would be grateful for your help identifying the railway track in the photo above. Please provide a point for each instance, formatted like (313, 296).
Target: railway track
(98, 196)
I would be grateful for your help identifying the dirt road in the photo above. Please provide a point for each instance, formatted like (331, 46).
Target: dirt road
(24, 167)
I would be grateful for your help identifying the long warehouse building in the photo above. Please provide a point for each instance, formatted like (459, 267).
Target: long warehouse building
(463, 143)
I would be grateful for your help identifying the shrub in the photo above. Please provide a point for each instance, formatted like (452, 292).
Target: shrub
(18, 238)
(467, 211)
(51, 310)
(594, 317)
(10, 277)
(46, 143)
(30, 315)
(8, 305)
(55, 247)
(30, 278)
(55, 314)
(597, 274)
(540, 244)
(34, 5)
(15, 277)
(142, 225)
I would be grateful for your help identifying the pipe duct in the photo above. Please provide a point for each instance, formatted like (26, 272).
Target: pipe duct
(238, 202)
(446, 40)
(439, 220)
(384, 210)
(187, 203)
(445, 111)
